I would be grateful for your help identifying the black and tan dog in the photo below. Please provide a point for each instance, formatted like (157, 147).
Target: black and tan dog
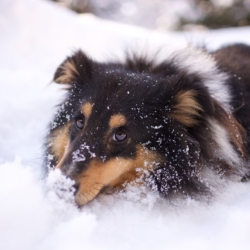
(175, 125)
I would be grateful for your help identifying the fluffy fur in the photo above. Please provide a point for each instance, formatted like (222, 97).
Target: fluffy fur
(175, 125)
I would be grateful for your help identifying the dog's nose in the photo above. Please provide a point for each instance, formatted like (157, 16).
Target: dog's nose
(76, 187)
(76, 160)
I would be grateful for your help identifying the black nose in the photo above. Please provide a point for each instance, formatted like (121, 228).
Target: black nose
(76, 187)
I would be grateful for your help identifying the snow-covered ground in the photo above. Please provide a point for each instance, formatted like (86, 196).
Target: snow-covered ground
(35, 36)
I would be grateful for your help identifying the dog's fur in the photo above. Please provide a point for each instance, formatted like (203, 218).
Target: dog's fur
(175, 125)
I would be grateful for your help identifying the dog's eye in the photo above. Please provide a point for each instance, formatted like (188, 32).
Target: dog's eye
(119, 136)
(79, 123)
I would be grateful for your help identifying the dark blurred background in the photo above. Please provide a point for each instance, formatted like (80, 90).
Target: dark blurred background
(168, 14)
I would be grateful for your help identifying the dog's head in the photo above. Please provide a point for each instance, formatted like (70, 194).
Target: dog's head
(120, 121)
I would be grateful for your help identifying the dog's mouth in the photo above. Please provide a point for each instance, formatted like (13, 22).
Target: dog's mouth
(106, 177)
(82, 198)
(84, 194)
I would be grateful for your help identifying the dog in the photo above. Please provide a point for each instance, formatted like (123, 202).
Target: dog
(176, 126)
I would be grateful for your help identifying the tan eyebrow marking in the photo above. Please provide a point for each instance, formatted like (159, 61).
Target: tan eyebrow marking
(87, 109)
(117, 121)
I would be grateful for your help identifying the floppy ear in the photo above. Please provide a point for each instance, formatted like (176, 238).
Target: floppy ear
(190, 103)
(74, 68)
(186, 109)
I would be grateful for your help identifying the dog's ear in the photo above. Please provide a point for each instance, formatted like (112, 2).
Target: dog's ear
(186, 109)
(190, 103)
(74, 68)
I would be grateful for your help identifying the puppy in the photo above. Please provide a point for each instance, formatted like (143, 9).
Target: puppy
(176, 126)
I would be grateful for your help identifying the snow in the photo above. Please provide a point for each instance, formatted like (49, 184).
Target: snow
(35, 36)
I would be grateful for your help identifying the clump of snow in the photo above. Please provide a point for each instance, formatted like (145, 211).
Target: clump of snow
(35, 214)
(61, 186)
(78, 155)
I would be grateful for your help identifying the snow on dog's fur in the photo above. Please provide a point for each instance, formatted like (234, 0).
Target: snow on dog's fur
(176, 125)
